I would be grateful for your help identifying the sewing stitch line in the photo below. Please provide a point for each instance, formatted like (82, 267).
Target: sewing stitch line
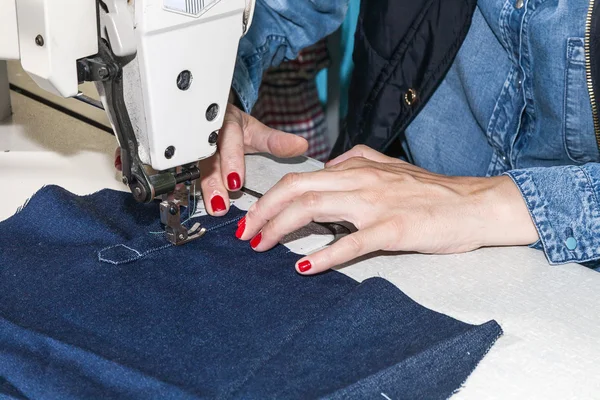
(152, 250)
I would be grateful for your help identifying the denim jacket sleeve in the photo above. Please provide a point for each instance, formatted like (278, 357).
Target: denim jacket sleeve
(280, 29)
(564, 204)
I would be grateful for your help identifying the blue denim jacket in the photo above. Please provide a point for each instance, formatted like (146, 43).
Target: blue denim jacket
(280, 29)
(492, 114)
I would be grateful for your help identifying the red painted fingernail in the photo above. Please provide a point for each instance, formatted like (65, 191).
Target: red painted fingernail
(256, 240)
(118, 163)
(241, 228)
(304, 266)
(218, 204)
(234, 181)
(242, 221)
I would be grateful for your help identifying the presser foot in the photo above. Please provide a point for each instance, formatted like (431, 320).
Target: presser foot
(170, 216)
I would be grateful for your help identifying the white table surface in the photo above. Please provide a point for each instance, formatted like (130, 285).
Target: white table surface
(550, 315)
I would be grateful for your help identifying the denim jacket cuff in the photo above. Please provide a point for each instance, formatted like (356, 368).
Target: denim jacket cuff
(563, 204)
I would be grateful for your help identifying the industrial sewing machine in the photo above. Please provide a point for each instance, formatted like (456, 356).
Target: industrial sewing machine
(163, 69)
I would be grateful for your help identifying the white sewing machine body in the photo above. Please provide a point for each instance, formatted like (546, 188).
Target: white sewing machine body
(163, 69)
(177, 82)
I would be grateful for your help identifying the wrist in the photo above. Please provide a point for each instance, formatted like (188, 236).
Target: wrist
(505, 218)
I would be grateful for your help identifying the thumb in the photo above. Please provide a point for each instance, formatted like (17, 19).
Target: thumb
(260, 138)
(285, 145)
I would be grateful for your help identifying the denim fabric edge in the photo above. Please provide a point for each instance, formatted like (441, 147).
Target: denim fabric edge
(361, 388)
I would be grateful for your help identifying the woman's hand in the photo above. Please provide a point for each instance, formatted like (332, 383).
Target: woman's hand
(225, 171)
(394, 205)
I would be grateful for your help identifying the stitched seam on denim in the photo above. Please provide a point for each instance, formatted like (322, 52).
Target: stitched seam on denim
(529, 194)
(577, 255)
(503, 24)
(128, 260)
(152, 250)
(523, 53)
(252, 60)
(492, 133)
(238, 88)
(496, 166)
(572, 43)
(112, 247)
(224, 224)
(555, 253)
(526, 65)
(565, 96)
(594, 219)
(591, 183)
(260, 52)
(212, 228)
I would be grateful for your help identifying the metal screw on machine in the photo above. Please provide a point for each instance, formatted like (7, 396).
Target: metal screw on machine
(169, 152)
(212, 111)
(139, 193)
(184, 80)
(213, 137)
(39, 40)
(103, 73)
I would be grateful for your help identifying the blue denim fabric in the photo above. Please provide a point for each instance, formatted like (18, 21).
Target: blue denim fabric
(515, 101)
(280, 29)
(95, 304)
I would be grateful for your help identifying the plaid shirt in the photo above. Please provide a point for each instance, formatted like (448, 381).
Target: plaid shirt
(288, 99)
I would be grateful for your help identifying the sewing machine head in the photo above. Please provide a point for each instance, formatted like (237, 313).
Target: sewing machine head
(163, 69)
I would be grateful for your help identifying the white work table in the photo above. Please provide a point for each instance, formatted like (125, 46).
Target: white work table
(550, 315)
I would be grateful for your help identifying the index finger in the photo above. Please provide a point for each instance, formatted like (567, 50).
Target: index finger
(231, 154)
(288, 189)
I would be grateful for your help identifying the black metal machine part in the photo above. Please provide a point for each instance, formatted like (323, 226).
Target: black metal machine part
(104, 67)
(107, 69)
